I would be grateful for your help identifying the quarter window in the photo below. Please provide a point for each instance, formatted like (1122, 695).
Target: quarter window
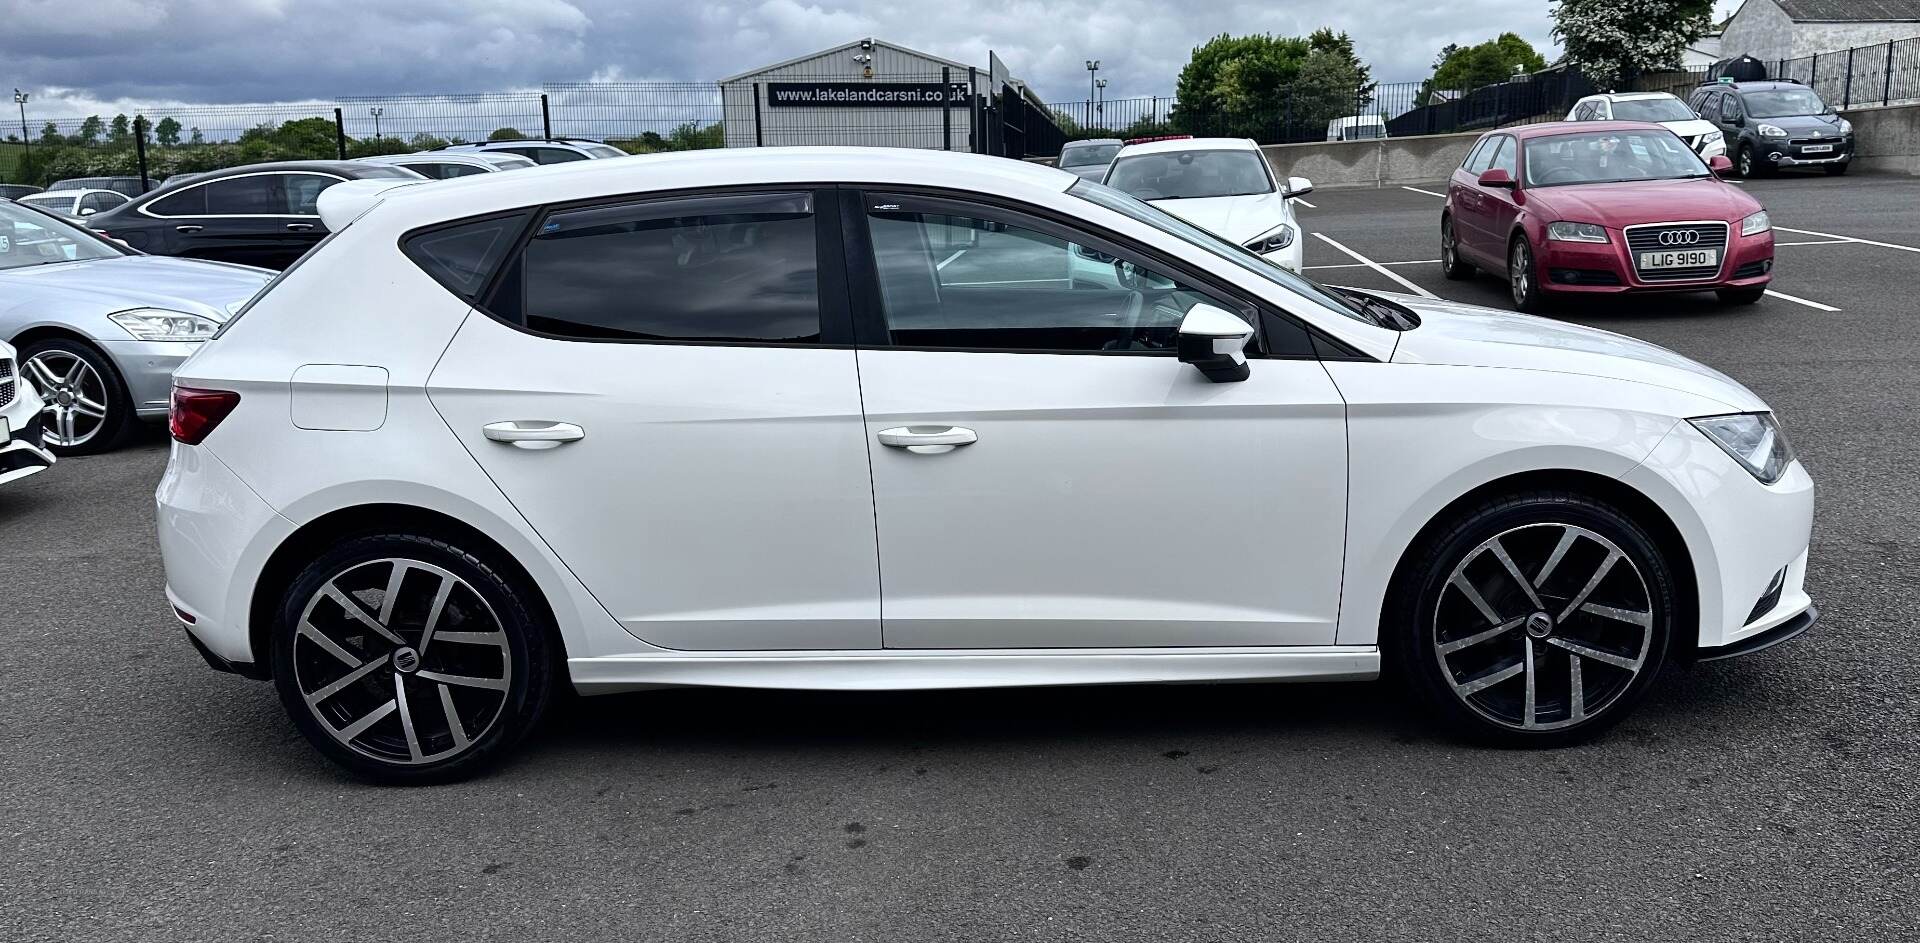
(964, 282)
(704, 269)
(1482, 155)
(252, 195)
(1506, 158)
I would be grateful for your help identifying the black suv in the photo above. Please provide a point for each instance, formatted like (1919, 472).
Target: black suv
(259, 214)
(1770, 125)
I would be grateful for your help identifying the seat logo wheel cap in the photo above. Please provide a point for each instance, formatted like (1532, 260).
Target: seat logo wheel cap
(1539, 625)
(406, 660)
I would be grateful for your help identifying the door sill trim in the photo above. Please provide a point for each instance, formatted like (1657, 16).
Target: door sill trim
(924, 669)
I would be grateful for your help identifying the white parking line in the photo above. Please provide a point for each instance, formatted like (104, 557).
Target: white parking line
(956, 254)
(1801, 301)
(1427, 192)
(1868, 242)
(1305, 203)
(1816, 242)
(1369, 263)
(1365, 265)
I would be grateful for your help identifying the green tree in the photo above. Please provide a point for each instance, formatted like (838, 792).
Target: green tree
(50, 135)
(1243, 86)
(1464, 68)
(506, 134)
(1329, 87)
(120, 132)
(1613, 41)
(90, 130)
(167, 132)
(193, 137)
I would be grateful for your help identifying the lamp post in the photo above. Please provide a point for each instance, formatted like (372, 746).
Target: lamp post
(26, 142)
(1093, 66)
(1100, 101)
(376, 112)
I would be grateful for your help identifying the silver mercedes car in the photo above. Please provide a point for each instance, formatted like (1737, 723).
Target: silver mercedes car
(100, 327)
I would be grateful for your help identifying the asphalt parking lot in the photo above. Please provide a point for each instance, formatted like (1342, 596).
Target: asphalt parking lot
(144, 797)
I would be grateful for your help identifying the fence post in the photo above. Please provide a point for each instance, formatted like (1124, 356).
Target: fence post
(1813, 74)
(546, 118)
(140, 150)
(946, 108)
(973, 111)
(340, 133)
(1846, 94)
(759, 136)
(1886, 90)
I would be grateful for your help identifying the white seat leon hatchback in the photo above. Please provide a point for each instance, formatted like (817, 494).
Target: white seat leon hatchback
(842, 419)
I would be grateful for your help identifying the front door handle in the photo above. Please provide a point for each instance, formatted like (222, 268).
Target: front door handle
(300, 227)
(931, 438)
(188, 228)
(536, 434)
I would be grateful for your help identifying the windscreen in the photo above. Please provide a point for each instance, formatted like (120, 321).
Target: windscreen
(1191, 175)
(1783, 103)
(1088, 155)
(1652, 109)
(1610, 157)
(30, 237)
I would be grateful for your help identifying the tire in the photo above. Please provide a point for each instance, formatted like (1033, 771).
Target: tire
(1523, 276)
(350, 668)
(1743, 163)
(88, 410)
(1451, 265)
(1835, 170)
(1740, 296)
(1469, 664)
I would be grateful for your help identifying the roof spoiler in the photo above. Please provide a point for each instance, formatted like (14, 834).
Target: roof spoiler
(345, 202)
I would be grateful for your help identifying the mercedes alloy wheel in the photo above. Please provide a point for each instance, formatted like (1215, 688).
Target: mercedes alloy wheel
(86, 408)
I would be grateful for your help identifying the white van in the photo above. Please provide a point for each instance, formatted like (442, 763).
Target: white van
(1357, 128)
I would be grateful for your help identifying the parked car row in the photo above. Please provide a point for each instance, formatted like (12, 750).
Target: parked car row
(1763, 126)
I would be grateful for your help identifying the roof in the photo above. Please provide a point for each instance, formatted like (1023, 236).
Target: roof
(422, 157)
(896, 47)
(1552, 128)
(1093, 141)
(1850, 11)
(1190, 144)
(590, 179)
(1632, 96)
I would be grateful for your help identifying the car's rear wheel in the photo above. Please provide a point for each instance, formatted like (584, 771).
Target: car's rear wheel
(1740, 296)
(1451, 265)
(1522, 276)
(87, 407)
(408, 659)
(1534, 620)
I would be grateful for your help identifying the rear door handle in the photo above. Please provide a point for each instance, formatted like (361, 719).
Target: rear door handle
(299, 227)
(915, 438)
(188, 228)
(536, 434)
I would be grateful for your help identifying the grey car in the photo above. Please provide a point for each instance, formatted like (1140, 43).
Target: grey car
(100, 327)
(1088, 160)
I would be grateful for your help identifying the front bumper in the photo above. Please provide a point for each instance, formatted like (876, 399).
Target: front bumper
(1792, 154)
(1786, 631)
(1608, 269)
(147, 369)
(21, 451)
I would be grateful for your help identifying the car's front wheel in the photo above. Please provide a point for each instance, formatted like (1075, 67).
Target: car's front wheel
(1523, 276)
(408, 659)
(87, 407)
(1451, 265)
(1534, 620)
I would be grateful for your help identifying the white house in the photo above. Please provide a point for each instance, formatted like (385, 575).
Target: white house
(1771, 30)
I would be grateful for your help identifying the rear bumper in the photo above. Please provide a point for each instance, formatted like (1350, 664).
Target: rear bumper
(147, 368)
(214, 534)
(1608, 269)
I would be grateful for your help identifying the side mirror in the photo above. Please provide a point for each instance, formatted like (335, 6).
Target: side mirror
(1298, 186)
(1215, 341)
(88, 211)
(1496, 177)
(1720, 165)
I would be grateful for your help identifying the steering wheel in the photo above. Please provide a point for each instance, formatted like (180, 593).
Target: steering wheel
(1555, 175)
(1129, 323)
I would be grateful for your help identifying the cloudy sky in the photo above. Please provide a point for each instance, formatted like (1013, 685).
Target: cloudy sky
(79, 56)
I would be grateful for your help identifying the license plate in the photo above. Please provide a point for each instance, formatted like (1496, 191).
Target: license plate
(1685, 258)
(1817, 149)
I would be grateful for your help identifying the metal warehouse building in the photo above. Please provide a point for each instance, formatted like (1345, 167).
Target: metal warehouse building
(872, 92)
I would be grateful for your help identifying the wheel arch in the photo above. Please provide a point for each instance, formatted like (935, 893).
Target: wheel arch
(1642, 507)
(313, 537)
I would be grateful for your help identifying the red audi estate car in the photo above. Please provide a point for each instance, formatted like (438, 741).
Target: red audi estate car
(1602, 207)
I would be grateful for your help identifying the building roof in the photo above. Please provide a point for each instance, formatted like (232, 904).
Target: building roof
(896, 47)
(1851, 11)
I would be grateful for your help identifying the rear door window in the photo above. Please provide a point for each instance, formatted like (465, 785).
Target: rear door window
(247, 195)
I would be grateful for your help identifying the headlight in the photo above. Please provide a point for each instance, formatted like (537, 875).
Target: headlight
(1769, 131)
(1576, 232)
(1846, 127)
(1273, 240)
(1753, 439)
(1755, 224)
(156, 324)
(1713, 137)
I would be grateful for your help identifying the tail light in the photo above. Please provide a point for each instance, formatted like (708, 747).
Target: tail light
(195, 413)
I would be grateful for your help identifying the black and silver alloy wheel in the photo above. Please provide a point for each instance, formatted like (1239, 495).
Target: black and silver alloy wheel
(1537, 619)
(1543, 626)
(1521, 277)
(409, 666)
(1451, 265)
(82, 412)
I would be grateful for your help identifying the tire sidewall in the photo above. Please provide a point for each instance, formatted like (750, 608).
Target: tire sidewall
(1531, 302)
(527, 645)
(119, 402)
(1408, 635)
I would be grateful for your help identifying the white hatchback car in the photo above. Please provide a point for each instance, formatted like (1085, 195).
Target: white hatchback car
(838, 419)
(1222, 185)
(1660, 108)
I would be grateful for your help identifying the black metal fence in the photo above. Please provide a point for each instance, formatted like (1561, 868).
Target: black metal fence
(1881, 74)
